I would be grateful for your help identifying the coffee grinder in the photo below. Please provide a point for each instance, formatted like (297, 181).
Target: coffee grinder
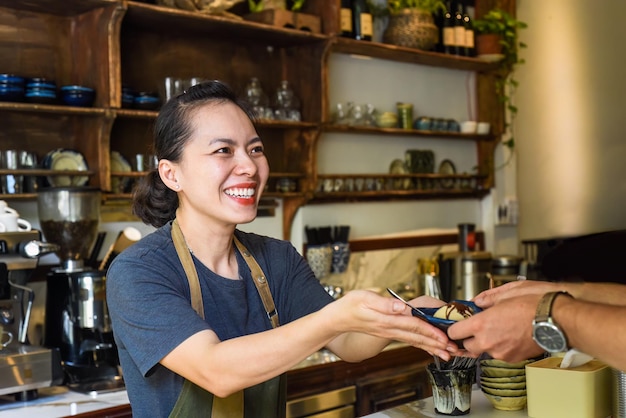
(76, 318)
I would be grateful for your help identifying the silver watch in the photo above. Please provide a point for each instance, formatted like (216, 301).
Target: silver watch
(546, 332)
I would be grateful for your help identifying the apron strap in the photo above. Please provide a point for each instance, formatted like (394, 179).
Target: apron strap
(260, 281)
(233, 405)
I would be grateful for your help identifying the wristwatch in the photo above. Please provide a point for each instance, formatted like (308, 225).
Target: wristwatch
(546, 332)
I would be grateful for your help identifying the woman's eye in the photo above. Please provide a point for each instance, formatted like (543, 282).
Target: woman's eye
(257, 150)
(224, 150)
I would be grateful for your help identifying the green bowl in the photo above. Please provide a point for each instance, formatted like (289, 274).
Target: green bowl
(505, 379)
(507, 403)
(500, 363)
(490, 371)
(503, 392)
(504, 385)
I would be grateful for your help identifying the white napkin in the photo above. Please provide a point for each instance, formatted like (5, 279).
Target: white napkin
(575, 358)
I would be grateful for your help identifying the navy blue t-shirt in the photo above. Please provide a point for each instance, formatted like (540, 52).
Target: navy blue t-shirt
(150, 306)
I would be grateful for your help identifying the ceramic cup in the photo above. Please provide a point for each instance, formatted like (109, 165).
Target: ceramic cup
(452, 389)
(483, 128)
(468, 127)
(13, 223)
(341, 257)
(320, 258)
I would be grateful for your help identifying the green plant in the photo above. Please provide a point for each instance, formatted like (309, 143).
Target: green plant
(259, 5)
(396, 6)
(505, 25)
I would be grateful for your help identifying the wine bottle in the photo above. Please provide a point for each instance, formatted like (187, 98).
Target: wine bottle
(362, 24)
(448, 31)
(345, 19)
(470, 49)
(459, 30)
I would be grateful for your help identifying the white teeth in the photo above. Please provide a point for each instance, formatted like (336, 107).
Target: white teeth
(240, 192)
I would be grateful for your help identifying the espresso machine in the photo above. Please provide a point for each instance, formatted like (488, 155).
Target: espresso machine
(76, 314)
(24, 367)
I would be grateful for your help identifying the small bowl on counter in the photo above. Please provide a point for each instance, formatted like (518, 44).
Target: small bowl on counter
(80, 96)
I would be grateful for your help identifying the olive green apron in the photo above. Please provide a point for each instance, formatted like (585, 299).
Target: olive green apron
(266, 399)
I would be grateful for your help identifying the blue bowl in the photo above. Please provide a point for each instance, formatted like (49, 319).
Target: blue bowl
(80, 96)
(146, 101)
(43, 97)
(12, 80)
(11, 93)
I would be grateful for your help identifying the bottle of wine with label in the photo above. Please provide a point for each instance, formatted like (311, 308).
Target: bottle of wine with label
(459, 30)
(362, 23)
(448, 30)
(345, 19)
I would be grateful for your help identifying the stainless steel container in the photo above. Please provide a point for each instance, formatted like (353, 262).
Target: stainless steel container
(619, 394)
(463, 275)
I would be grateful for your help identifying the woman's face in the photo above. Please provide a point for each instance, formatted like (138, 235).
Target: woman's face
(223, 168)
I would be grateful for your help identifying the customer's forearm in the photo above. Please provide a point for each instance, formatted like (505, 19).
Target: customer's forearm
(605, 293)
(596, 329)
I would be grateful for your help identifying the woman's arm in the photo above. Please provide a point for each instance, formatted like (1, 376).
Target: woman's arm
(226, 367)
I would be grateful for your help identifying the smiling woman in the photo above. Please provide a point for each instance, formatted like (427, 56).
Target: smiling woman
(196, 305)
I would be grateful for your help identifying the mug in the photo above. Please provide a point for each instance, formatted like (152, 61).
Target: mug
(13, 223)
(2, 334)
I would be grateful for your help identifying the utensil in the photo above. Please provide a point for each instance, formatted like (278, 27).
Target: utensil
(414, 310)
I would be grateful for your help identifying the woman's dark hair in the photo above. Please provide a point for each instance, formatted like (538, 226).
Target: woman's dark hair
(153, 202)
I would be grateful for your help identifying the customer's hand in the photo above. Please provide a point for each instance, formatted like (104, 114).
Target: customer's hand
(503, 330)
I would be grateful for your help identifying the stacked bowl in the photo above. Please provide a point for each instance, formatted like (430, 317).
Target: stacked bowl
(504, 384)
(11, 88)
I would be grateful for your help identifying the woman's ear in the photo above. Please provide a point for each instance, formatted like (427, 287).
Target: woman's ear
(167, 172)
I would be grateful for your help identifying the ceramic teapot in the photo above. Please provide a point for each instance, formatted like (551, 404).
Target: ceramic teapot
(10, 220)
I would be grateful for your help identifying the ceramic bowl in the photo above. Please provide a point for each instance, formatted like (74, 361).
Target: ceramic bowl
(504, 364)
(146, 101)
(468, 127)
(507, 403)
(387, 120)
(503, 385)
(504, 392)
(505, 379)
(11, 93)
(491, 371)
(80, 96)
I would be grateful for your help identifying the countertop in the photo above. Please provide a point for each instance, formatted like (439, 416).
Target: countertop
(59, 401)
(481, 408)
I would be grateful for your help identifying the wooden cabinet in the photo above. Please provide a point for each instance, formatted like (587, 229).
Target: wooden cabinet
(106, 44)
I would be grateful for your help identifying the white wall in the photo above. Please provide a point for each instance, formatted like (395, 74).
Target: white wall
(571, 134)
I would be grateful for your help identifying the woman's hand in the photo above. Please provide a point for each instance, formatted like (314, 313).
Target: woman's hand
(362, 312)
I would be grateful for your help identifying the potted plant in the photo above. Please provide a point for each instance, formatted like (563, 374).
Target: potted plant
(257, 6)
(497, 39)
(411, 22)
(283, 13)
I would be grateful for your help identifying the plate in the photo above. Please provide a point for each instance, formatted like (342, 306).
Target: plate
(399, 167)
(62, 159)
(119, 164)
(447, 167)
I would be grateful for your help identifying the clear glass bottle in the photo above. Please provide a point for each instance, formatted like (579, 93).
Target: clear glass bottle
(286, 103)
(257, 97)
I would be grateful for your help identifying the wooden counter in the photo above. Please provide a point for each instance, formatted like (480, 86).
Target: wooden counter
(394, 377)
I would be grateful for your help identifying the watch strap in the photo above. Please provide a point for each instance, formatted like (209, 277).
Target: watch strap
(544, 308)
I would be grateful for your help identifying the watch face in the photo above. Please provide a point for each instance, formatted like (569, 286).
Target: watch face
(549, 337)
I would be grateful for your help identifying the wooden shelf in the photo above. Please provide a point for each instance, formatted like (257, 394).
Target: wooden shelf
(156, 18)
(409, 55)
(373, 130)
(137, 44)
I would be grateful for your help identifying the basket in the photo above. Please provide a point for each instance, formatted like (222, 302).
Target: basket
(412, 28)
